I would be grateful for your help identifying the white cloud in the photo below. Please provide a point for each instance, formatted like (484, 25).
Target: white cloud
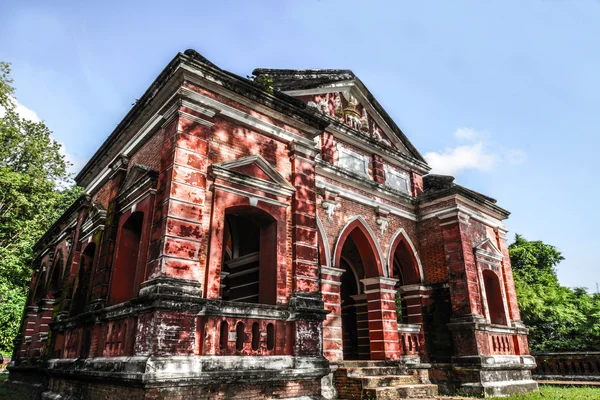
(453, 160)
(480, 154)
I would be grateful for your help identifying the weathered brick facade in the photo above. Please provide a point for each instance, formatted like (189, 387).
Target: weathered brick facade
(239, 241)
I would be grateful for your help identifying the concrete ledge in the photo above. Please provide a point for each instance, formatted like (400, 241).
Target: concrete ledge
(185, 370)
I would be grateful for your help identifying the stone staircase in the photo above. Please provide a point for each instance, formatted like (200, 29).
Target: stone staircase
(380, 380)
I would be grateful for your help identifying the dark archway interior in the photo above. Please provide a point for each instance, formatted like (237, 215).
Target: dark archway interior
(83, 279)
(126, 264)
(55, 279)
(249, 258)
(406, 270)
(494, 298)
(355, 324)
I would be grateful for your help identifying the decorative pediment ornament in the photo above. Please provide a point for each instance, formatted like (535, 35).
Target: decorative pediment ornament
(140, 180)
(329, 202)
(382, 218)
(93, 222)
(488, 249)
(254, 172)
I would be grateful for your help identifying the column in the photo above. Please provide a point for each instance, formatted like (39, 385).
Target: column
(383, 323)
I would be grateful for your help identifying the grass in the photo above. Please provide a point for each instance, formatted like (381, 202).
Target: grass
(560, 392)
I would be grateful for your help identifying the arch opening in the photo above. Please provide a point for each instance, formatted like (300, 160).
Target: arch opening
(55, 285)
(249, 256)
(406, 271)
(83, 279)
(494, 299)
(355, 321)
(126, 263)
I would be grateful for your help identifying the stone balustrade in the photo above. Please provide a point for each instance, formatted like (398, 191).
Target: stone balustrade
(577, 366)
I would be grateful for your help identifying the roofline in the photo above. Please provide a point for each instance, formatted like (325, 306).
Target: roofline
(278, 101)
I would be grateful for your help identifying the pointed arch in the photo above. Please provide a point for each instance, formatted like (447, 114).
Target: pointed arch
(397, 238)
(358, 222)
(323, 242)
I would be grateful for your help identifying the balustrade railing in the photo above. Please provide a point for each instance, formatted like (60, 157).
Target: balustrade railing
(410, 339)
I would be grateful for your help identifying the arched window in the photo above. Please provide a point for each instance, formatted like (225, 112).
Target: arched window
(83, 279)
(270, 337)
(39, 291)
(223, 335)
(255, 336)
(240, 336)
(126, 263)
(249, 257)
(56, 277)
(494, 297)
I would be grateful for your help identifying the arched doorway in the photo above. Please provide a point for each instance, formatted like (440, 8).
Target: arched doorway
(126, 262)
(406, 270)
(83, 279)
(249, 256)
(362, 320)
(355, 324)
(493, 293)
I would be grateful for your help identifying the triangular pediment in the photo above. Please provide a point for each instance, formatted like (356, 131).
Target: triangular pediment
(137, 174)
(340, 95)
(253, 171)
(488, 248)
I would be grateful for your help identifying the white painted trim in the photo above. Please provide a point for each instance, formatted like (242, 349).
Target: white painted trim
(346, 194)
(391, 251)
(470, 212)
(373, 237)
(245, 118)
(365, 158)
(249, 195)
(321, 231)
(402, 174)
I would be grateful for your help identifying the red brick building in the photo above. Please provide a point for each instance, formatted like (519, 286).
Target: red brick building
(275, 238)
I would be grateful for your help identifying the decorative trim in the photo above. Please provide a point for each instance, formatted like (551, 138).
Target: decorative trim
(365, 159)
(279, 187)
(251, 196)
(402, 174)
(496, 254)
(332, 271)
(379, 279)
(321, 231)
(373, 238)
(402, 232)
(346, 194)
(245, 118)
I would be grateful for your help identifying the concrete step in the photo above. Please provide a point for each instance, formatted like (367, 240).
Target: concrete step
(378, 371)
(367, 363)
(387, 380)
(406, 391)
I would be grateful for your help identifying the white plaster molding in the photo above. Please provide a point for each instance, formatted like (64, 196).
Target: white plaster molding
(370, 232)
(246, 119)
(379, 279)
(391, 251)
(321, 231)
(332, 271)
(364, 171)
(249, 195)
(495, 254)
(346, 194)
(402, 174)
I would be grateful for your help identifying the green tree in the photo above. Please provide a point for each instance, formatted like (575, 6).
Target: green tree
(35, 188)
(558, 318)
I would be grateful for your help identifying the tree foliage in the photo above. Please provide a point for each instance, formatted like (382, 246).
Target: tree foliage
(35, 188)
(558, 318)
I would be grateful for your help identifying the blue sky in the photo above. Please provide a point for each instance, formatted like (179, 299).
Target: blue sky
(505, 95)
